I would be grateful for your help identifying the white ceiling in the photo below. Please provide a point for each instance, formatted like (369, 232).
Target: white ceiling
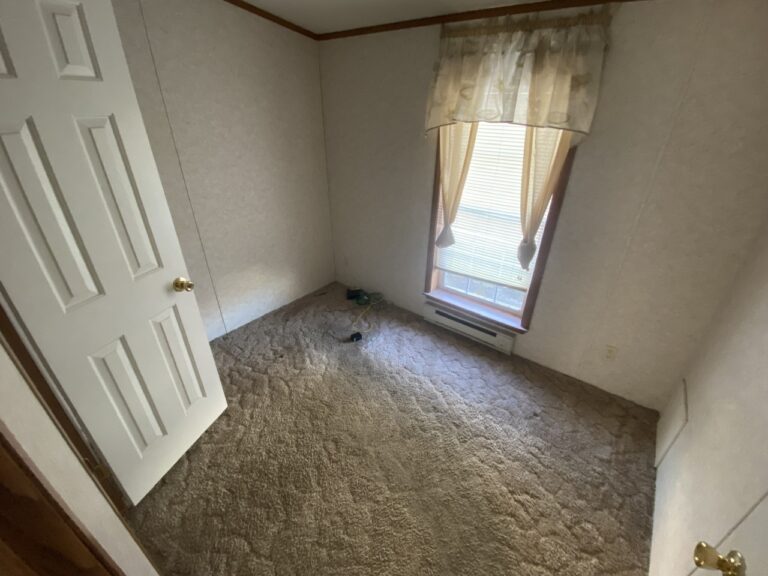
(321, 16)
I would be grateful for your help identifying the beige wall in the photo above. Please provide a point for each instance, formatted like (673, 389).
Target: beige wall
(232, 105)
(380, 163)
(666, 193)
(650, 235)
(712, 483)
(716, 471)
(26, 424)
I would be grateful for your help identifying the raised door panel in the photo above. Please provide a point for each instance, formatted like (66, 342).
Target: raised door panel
(173, 342)
(6, 62)
(69, 39)
(124, 386)
(112, 171)
(32, 193)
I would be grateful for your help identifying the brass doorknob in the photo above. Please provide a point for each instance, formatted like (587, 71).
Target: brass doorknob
(182, 284)
(732, 564)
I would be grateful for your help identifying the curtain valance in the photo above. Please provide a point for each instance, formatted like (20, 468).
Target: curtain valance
(528, 71)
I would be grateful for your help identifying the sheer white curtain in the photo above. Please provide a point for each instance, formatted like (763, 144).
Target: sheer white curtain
(457, 141)
(545, 152)
(541, 73)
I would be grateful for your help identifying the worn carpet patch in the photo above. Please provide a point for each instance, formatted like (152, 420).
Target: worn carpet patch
(412, 452)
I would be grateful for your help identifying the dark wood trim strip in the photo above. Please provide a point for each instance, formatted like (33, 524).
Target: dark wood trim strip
(42, 532)
(541, 6)
(429, 282)
(273, 18)
(546, 239)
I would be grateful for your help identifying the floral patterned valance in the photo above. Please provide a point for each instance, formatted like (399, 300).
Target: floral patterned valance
(528, 71)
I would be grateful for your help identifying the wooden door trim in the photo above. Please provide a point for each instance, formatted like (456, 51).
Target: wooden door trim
(99, 554)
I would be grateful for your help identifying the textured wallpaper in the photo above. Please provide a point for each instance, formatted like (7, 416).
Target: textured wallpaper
(649, 238)
(233, 109)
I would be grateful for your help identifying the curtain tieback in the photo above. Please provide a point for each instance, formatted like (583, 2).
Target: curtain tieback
(526, 252)
(446, 237)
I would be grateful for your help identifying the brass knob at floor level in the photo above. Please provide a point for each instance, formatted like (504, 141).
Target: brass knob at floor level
(182, 284)
(732, 564)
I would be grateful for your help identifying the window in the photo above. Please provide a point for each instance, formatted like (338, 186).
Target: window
(480, 272)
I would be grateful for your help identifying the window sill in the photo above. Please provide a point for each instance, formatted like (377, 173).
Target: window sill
(502, 321)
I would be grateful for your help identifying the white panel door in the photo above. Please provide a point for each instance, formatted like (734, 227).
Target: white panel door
(88, 252)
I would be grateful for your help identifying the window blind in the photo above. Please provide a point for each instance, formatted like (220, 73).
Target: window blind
(487, 228)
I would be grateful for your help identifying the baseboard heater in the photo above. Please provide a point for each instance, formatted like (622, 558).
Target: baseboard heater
(466, 326)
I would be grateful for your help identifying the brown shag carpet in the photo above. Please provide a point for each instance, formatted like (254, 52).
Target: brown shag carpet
(413, 452)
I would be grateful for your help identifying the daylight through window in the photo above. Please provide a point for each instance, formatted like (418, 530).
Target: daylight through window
(483, 262)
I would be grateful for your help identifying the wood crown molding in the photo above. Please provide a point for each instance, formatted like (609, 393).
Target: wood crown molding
(273, 18)
(540, 6)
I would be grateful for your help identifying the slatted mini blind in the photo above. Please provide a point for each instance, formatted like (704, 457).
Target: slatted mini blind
(487, 228)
